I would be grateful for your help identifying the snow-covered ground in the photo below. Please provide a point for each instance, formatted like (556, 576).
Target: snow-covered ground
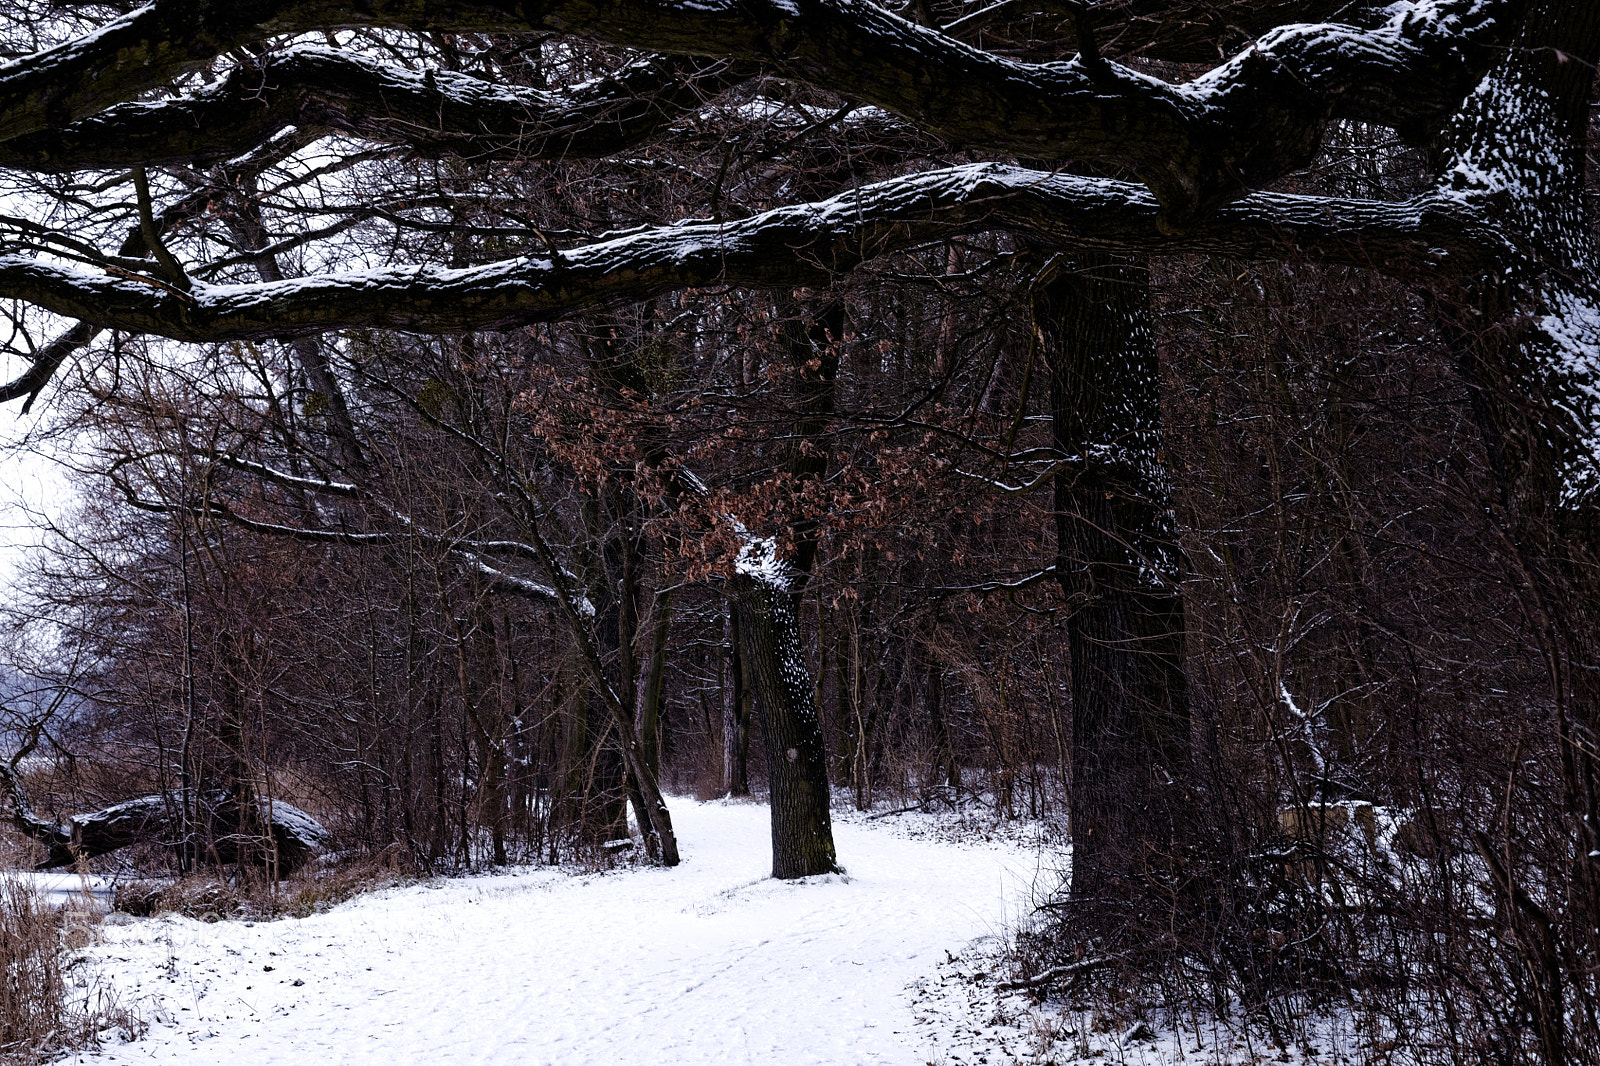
(710, 962)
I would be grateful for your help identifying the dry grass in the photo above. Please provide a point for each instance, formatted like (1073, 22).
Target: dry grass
(40, 1017)
(308, 891)
(33, 998)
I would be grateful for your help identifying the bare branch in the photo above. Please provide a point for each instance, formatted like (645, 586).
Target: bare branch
(437, 113)
(794, 245)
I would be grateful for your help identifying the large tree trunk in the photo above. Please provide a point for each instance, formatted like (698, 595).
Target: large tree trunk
(1526, 338)
(650, 700)
(1117, 561)
(797, 765)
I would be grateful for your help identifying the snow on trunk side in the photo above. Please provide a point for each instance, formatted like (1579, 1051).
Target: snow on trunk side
(797, 766)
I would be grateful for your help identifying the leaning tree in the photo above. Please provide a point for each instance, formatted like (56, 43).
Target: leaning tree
(1090, 136)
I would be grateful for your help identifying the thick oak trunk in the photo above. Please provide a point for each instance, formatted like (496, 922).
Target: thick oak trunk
(1117, 562)
(1526, 338)
(797, 765)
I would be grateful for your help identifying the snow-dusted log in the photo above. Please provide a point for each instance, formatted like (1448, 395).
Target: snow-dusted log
(1196, 145)
(215, 821)
(437, 113)
(236, 832)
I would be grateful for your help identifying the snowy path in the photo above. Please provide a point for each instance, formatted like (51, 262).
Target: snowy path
(712, 961)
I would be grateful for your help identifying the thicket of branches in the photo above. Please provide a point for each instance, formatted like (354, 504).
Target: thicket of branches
(481, 427)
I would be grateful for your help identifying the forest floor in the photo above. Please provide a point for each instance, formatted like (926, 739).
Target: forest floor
(710, 962)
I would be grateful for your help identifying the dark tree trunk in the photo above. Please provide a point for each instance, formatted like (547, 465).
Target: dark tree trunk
(766, 598)
(813, 348)
(797, 766)
(647, 720)
(617, 596)
(735, 715)
(1118, 565)
(1533, 399)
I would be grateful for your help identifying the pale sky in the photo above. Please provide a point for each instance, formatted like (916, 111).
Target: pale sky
(29, 480)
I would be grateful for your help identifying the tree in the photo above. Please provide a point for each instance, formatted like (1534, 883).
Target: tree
(1112, 133)
(1117, 562)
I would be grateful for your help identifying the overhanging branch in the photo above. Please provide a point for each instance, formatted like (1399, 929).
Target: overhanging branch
(797, 245)
(438, 113)
(1196, 146)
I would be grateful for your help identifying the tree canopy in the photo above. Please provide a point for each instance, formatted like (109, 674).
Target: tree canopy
(592, 305)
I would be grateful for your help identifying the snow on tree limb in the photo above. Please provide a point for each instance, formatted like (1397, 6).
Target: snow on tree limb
(440, 112)
(1197, 145)
(758, 561)
(791, 245)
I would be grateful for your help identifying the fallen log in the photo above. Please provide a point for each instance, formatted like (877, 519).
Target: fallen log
(296, 837)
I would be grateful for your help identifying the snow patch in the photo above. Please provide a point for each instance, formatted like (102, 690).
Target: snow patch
(758, 560)
(712, 961)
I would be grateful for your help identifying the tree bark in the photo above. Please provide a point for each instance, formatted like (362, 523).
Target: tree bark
(1525, 340)
(442, 113)
(801, 244)
(797, 766)
(1118, 564)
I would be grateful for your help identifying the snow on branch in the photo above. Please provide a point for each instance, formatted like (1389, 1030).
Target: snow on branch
(985, 587)
(1196, 146)
(278, 477)
(758, 560)
(792, 245)
(438, 112)
(519, 586)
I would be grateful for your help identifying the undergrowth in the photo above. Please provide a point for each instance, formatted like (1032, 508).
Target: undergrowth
(209, 897)
(1346, 948)
(43, 1011)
